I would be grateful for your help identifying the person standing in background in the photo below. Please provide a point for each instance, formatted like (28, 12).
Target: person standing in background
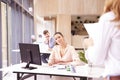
(106, 48)
(48, 41)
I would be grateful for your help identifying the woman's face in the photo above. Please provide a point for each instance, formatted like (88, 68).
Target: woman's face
(59, 39)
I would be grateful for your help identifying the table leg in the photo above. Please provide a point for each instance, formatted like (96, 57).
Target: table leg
(35, 77)
(18, 76)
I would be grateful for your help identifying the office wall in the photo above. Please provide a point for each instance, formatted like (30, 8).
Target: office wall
(61, 9)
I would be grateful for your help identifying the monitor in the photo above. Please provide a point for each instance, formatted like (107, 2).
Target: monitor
(30, 54)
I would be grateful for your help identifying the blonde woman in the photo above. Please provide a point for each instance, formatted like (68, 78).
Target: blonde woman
(106, 49)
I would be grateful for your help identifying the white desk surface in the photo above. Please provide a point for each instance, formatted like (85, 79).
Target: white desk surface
(81, 71)
(16, 50)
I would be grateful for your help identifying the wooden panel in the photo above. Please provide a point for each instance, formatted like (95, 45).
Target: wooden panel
(85, 7)
(64, 26)
(64, 6)
(46, 18)
(46, 7)
(74, 7)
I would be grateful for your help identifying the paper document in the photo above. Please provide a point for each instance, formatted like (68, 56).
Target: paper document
(92, 29)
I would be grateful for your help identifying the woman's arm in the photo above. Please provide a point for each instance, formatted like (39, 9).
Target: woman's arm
(51, 58)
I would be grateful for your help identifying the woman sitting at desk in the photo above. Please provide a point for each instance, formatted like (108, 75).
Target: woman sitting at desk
(63, 53)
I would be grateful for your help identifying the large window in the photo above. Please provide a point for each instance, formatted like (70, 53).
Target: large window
(22, 27)
(4, 33)
(17, 25)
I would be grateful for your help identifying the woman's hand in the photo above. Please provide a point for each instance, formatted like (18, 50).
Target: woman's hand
(50, 64)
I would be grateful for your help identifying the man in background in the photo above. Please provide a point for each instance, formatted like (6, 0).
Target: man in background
(50, 42)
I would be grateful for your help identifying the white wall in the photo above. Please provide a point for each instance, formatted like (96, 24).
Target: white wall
(77, 41)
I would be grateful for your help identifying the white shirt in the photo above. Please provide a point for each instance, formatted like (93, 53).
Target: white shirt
(70, 56)
(106, 49)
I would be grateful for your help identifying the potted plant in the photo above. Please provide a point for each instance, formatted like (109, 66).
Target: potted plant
(82, 57)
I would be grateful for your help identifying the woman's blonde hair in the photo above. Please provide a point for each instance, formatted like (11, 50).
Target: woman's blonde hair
(113, 5)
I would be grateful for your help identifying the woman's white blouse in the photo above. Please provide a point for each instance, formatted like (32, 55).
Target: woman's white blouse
(106, 49)
(70, 55)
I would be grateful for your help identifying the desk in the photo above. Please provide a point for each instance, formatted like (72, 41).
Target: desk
(81, 71)
(16, 50)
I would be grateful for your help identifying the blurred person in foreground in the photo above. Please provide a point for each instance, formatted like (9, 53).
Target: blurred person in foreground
(106, 48)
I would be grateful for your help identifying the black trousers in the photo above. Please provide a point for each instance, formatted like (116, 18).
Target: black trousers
(45, 57)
